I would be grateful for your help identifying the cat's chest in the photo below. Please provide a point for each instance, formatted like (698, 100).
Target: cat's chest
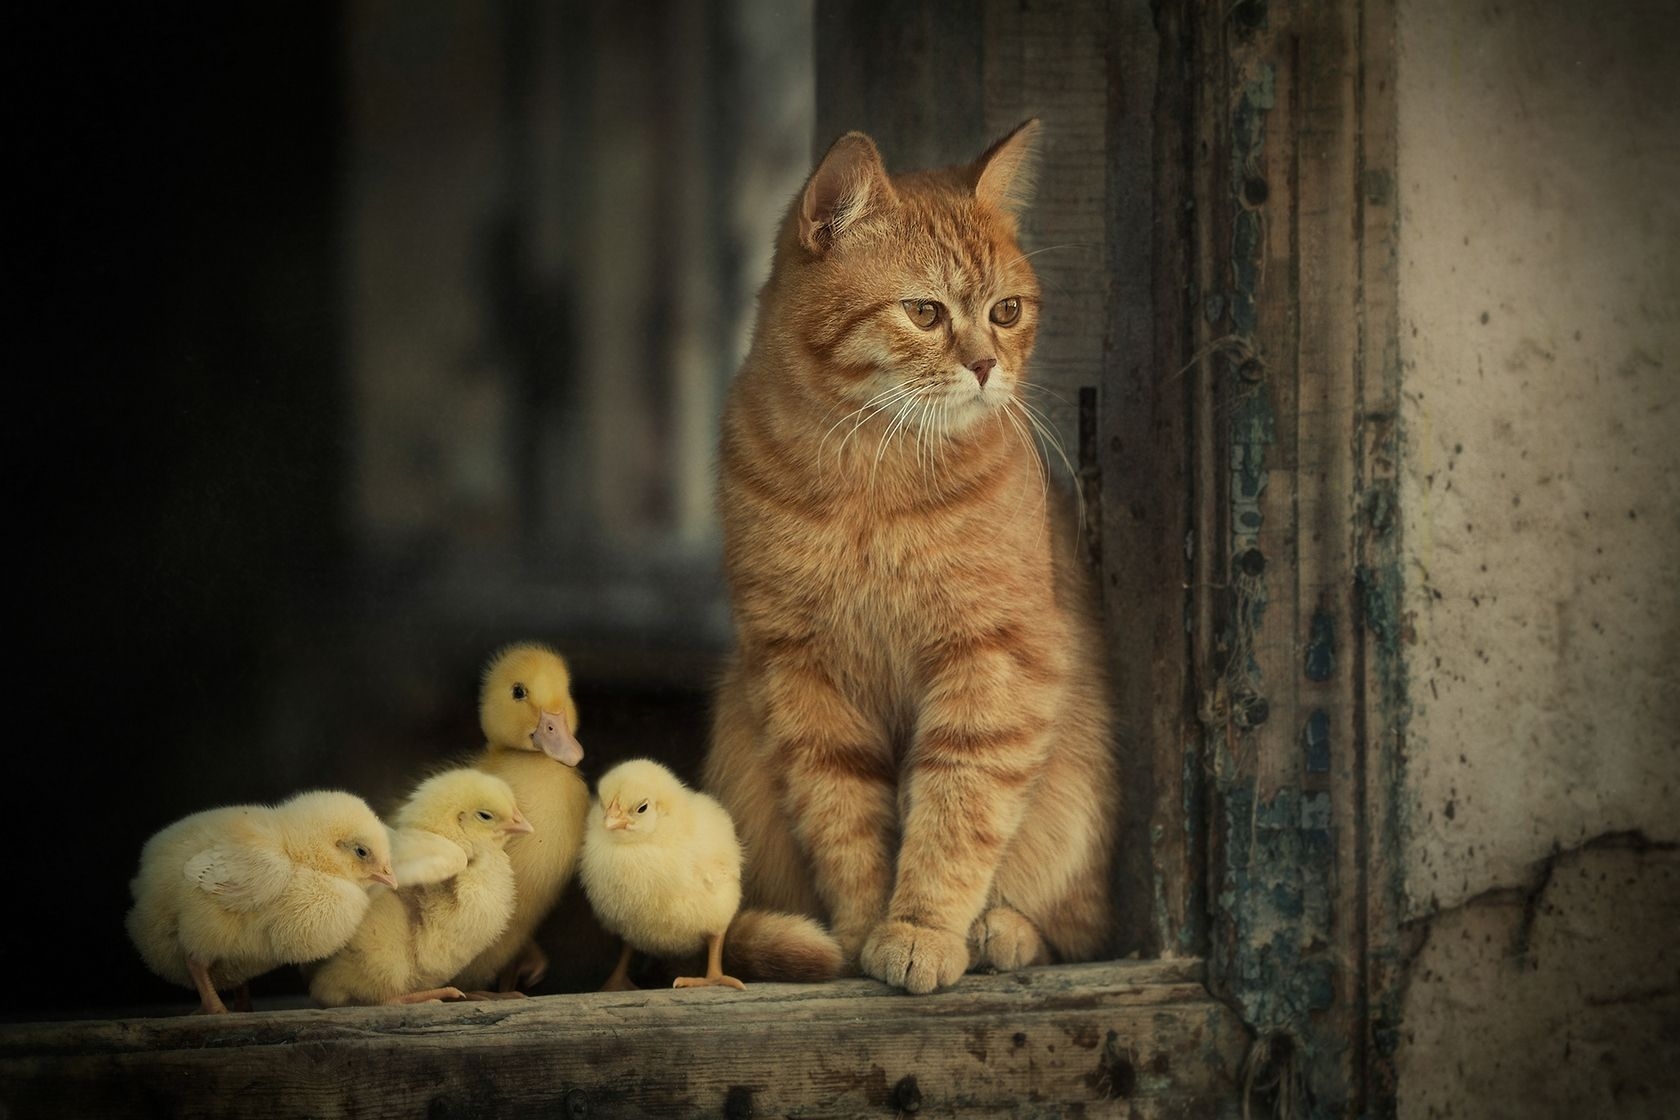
(884, 588)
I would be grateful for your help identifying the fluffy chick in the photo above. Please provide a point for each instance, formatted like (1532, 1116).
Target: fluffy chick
(529, 719)
(662, 868)
(456, 896)
(227, 894)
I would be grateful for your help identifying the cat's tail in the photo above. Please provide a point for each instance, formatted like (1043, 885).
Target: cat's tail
(770, 946)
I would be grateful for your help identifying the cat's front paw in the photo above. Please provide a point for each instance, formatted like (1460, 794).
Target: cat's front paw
(915, 958)
(1005, 939)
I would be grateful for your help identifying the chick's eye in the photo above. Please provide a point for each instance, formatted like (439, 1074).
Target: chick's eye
(519, 692)
(361, 852)
(642, 808)
(484, 815)
(925, 313)
(1006, 311)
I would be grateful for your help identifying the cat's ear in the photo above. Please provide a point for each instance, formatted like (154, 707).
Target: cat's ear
(849, 181)
(1003, 176)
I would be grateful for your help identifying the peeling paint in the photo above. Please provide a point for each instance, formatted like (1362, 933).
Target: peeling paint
(1315, 742)
(1275, 854)
(1321, 647)
(1277, 896)
(1255, 99)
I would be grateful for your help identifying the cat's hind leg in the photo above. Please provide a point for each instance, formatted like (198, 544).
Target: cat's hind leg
(1006, 939)
(777, 875)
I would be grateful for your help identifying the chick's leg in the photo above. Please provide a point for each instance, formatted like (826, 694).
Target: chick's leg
(430, 995)
(209, 1000)
(714, 977)
(525, 970)
(620, 980)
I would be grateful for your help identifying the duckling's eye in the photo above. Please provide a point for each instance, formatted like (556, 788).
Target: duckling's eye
(484, 815)
(925, 313)
(1006, 311)
(642, 808)
(519, 692)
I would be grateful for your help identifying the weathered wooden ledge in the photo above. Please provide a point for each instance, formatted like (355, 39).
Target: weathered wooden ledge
(1139, 1039)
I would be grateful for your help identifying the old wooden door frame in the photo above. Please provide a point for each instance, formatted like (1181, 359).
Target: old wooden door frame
(1282, 271)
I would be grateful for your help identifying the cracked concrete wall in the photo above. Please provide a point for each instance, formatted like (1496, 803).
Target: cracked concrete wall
(1539, 254)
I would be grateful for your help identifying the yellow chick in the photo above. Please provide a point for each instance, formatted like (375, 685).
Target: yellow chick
(228, 894)
(456, 896)
(662, 868)
(529, 720)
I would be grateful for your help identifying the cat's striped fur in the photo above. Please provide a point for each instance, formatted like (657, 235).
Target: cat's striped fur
(914, 734)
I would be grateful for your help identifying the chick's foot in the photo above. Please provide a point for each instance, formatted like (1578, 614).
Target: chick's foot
(209, 1000)
(430, 995)
(916, 958)
(620, 980)
(718, 981)
(714, 977)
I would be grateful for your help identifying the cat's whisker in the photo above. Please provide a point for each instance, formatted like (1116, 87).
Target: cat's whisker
(868, 410)
(1006, 414)
(898, 422)
(913, 428)
(886, 438)
(1035, 387)
(1048, 433)
(1031, 445)
(924, 445)
(944, 433)
(901, 387)
(1048, 248)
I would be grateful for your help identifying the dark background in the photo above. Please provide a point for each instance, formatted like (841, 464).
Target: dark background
(198, 625)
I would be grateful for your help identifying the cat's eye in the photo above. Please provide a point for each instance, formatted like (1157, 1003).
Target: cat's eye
(1005, 312)
(519, 692)
(925, 313)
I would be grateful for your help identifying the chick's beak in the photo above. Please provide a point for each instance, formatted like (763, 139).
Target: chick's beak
(384, 875)
(518, 823)
(616, 818)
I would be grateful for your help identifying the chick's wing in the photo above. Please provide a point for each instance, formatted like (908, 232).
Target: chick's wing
(419, 857)
(238, 877)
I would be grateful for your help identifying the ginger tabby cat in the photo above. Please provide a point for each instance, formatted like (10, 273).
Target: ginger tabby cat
(914, 734)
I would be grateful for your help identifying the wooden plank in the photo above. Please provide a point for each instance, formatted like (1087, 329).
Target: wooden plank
(1376, 791)
(1139, 1039)
(907, 74)
(1326, 746)
(1297, 258)
(1142, 450)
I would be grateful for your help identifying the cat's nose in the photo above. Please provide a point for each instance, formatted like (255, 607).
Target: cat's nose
(982, 369)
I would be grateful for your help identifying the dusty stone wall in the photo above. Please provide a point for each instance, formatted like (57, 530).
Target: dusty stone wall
(1539, 246)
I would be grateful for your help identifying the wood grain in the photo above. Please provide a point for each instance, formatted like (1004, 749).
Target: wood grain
(1139, 1039)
